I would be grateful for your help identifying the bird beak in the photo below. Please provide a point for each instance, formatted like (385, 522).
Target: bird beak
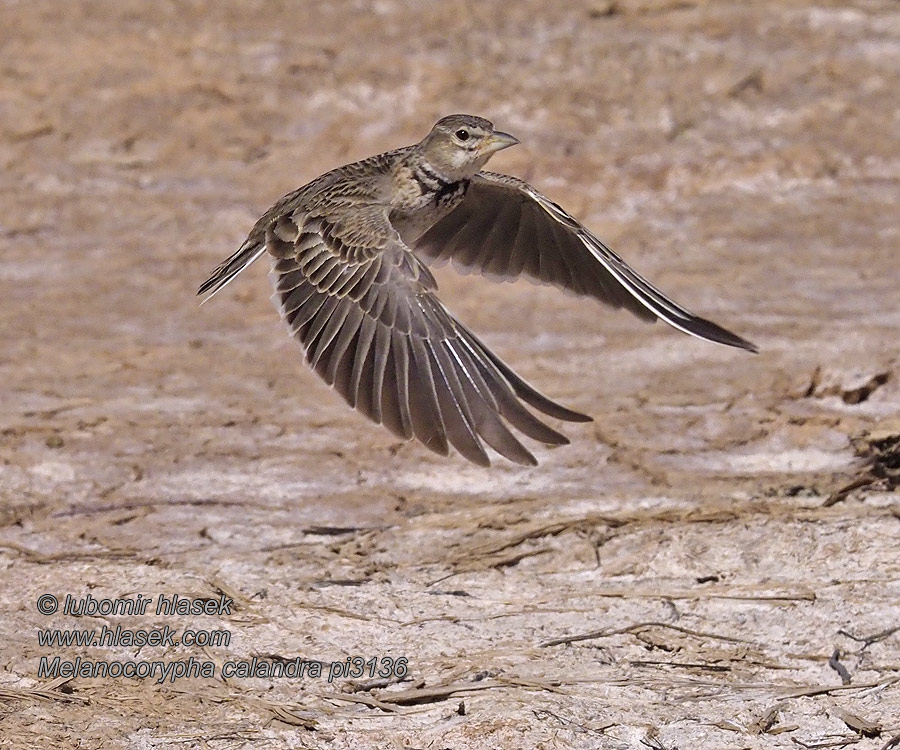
(497, 141)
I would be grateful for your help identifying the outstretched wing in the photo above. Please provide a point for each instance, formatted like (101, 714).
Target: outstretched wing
(505, 228)
(363, 307)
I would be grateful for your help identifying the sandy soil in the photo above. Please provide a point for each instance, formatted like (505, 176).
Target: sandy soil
(691, 548)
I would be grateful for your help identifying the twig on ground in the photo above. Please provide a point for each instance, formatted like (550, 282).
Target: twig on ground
(636, 627)
(652, 740)
(838, 667)
(440, 692)
(827, 689)
(859, 725)
(42, 559)
(681, 665)
(869, 640)
(541, 713)
(842, 742)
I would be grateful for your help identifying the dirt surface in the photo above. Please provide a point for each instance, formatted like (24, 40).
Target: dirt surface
(726, 533)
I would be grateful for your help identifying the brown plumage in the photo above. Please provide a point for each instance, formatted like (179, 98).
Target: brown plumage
(349, 251)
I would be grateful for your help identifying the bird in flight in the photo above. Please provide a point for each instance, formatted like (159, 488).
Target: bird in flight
(350, 253)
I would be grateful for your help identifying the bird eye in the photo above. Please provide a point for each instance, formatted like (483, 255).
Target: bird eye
(463, 135)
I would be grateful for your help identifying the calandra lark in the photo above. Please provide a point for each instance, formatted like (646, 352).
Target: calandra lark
(349, 253)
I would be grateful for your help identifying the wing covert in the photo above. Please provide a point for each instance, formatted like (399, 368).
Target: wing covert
(364, 309)
(504, 229)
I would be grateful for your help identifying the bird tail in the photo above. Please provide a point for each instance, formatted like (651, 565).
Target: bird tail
(252, 248)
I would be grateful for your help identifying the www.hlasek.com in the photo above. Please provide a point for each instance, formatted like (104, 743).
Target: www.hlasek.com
(353, 667)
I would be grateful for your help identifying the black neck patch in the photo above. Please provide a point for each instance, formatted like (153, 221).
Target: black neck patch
(435, 186)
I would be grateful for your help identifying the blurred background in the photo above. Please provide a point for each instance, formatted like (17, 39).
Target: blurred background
(743, 156)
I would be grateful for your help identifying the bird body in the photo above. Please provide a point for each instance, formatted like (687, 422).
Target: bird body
(350, 253)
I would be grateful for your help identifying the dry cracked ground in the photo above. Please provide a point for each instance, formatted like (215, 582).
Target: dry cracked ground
(714, 562)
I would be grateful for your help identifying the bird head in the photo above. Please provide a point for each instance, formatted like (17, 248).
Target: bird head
(458, 146)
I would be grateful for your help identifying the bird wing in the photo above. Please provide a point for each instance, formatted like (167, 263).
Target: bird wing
(364, 309)
(504, 228)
